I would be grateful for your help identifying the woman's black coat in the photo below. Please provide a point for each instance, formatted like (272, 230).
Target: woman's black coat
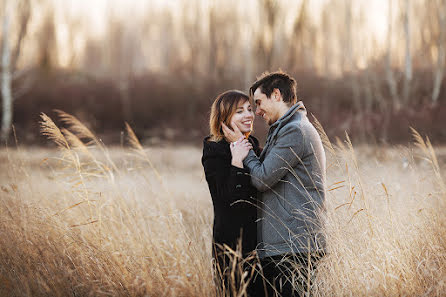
(233, 196)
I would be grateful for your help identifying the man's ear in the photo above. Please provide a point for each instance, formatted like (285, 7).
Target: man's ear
(276, 95)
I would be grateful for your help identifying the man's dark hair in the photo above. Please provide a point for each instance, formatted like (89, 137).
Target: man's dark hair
(267, 82)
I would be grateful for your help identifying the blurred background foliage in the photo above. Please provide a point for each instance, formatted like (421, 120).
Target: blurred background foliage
(371, 68)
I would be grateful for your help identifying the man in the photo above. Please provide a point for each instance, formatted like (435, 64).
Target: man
(289, 175)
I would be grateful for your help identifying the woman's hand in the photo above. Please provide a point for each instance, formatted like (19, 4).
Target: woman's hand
(239, 151)
(231, 135)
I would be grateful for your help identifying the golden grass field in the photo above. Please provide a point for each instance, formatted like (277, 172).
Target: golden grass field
(87, 220)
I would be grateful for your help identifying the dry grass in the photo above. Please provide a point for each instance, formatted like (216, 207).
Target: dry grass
(385, 224)
(92, 221)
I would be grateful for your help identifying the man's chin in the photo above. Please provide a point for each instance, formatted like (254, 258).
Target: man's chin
(266, 120)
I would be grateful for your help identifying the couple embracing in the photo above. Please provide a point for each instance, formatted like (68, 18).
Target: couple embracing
(267, 201)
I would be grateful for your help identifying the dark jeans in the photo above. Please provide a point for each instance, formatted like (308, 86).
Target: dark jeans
(286, 275)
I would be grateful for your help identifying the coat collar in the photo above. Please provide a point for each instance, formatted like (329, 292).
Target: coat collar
(299, 106)
(275, 127)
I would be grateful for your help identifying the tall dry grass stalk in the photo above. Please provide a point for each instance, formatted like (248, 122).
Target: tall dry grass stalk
(98, 222)
(84, 227)
(386, 232)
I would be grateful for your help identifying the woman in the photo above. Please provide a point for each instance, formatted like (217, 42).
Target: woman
(233, 196)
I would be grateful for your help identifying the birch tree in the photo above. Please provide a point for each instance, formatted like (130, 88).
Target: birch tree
(9, 61)
(408, 56)
(6, 75)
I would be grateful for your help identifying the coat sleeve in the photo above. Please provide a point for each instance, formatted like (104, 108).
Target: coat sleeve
(226, 185)
(282, 157)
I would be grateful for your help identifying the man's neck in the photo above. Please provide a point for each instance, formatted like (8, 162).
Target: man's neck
(283, 109)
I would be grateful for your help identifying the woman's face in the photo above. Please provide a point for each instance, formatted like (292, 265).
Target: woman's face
(243, 117)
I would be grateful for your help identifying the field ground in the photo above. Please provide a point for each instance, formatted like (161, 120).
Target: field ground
(118, 221)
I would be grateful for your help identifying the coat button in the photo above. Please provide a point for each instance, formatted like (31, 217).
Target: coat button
(238, 186)
(239, 173)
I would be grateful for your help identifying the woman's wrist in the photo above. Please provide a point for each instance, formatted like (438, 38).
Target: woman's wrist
(237, 162)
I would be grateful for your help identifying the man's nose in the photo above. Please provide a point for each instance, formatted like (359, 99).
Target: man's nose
(258, 111)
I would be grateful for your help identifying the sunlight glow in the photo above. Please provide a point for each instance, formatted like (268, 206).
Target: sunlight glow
(92, 18)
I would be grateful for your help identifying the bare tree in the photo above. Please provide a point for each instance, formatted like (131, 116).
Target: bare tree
(439, 69)
(167, 44)
(224, 45)
(9, 60)
(347, 56)
(383, 105)
(6, 74)
(269, 13)
(298, 48)
(216, 40)
(124, 54)
(47, 42)
(248, 67)
(191, 22)
(408, 56)
(23, 19)
(326, 42)
(121, 66)
(346, 40)
(390, 78)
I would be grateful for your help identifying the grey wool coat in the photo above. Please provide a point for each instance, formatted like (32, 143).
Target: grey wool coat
(289, 176)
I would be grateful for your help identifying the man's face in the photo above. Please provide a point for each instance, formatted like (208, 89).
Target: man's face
(265, 107)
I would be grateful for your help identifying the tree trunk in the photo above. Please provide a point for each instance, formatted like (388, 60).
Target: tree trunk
(389, 73)
(270, 15)
(248, 77)
(23, 21)
(125, 99)
(298, 55)
(347, 59)
(408, 59)
(439, 71)
(6, 78)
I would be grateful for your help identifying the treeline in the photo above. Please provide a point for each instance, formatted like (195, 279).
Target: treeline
(162, 108)
(158, 66)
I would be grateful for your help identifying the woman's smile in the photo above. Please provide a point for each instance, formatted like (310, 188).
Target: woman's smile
(247, 123)
(243, 117)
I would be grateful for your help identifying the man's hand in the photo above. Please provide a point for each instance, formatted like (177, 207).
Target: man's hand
(239, 151)
(231, 135)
